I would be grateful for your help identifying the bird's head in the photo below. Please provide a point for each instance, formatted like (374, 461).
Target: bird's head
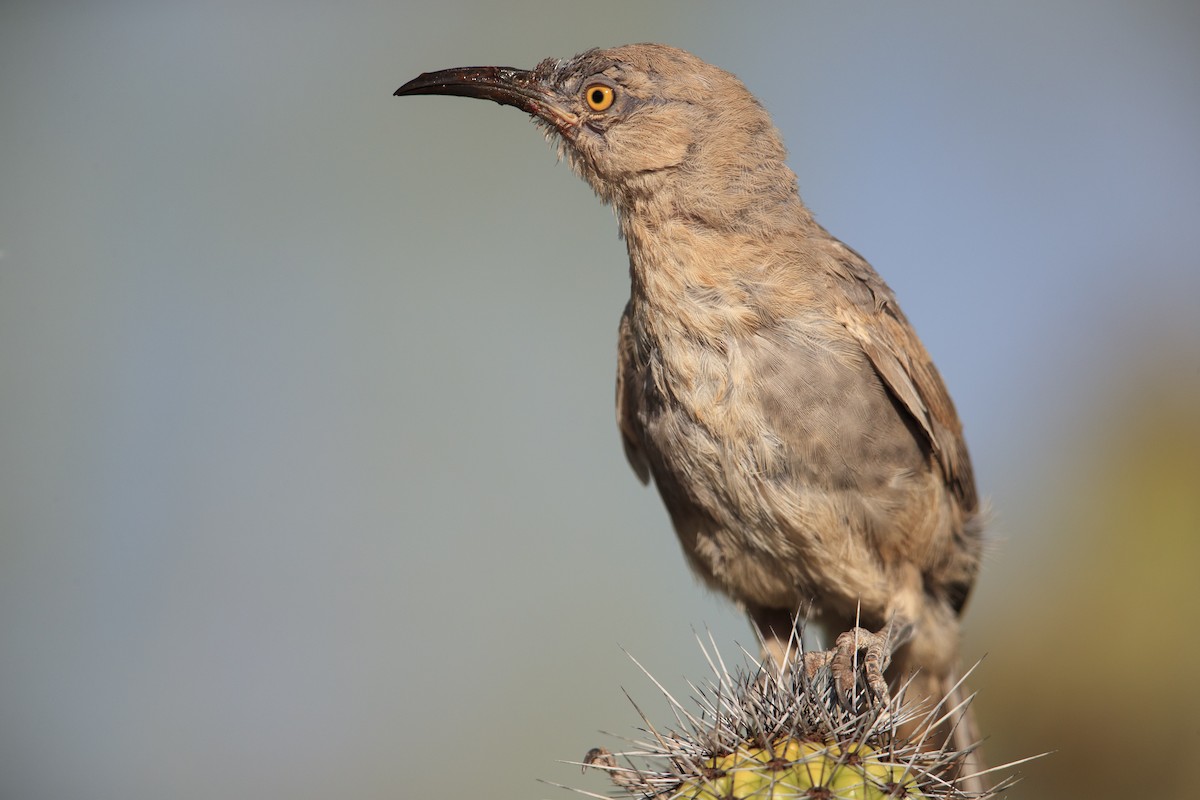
(638, 121)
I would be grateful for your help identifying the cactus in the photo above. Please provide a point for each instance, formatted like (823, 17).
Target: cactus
(764, 734)
(792, 768)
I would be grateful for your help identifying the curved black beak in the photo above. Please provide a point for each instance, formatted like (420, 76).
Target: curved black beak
(508, 86)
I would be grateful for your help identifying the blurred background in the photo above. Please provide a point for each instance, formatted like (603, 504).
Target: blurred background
(309, 479)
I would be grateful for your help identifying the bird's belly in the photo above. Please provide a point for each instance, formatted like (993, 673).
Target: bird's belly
(778, 501)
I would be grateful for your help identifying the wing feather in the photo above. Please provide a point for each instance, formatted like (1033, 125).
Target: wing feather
(874, 319)
(629, 381)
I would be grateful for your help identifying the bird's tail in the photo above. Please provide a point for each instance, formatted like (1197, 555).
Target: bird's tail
(957, 729)
(946, 723)
(964, 735)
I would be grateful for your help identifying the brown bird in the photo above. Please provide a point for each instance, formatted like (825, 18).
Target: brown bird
(797, 430)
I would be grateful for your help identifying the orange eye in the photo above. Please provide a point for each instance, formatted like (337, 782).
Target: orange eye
(599, 97)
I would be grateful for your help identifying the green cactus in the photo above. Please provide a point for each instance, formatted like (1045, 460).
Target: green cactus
(792, 768)
(759, 734)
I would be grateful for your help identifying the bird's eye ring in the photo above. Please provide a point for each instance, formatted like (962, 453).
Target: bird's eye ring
(599, 97)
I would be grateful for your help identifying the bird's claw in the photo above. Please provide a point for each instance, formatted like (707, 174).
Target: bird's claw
(843, 662)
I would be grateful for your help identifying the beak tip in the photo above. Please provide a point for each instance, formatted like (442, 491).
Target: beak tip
(403, 90)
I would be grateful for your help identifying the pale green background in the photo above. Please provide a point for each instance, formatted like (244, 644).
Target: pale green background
(309, 481)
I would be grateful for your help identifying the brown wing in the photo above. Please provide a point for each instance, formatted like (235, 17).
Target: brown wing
(629, 381)
(886, 336)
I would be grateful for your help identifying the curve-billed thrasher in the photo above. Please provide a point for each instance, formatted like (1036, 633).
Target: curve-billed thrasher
(801, 438)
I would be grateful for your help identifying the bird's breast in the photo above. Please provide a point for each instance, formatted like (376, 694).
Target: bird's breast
(700, 423)
(788, 411)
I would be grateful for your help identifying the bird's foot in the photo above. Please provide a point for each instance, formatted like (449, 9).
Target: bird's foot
(843, 662)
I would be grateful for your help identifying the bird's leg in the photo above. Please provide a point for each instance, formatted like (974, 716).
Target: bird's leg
(777, 632)
(843, 661)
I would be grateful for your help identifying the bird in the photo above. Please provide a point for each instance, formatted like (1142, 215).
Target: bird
(805, 446)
